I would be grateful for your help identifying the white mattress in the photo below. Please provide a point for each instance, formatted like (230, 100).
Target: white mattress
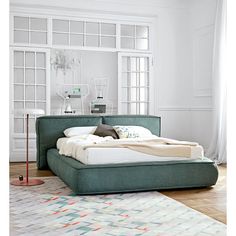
(92, 156)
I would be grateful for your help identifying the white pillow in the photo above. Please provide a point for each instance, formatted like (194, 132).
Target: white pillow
(75, 131)
(132, 131)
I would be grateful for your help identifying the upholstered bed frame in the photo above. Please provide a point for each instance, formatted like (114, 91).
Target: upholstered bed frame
(111, 178)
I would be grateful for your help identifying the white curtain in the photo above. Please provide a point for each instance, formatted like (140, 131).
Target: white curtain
(217, 149)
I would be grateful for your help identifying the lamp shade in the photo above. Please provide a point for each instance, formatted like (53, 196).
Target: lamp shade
(29, 111)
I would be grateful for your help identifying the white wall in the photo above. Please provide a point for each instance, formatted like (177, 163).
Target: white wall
(203, 20)
(175, 75)
(184, 79)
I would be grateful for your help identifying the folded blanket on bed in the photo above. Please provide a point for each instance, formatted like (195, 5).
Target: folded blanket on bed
(154, 145)
(157, 146)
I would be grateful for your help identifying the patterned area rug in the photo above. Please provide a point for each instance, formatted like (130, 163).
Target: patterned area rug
(52, 209)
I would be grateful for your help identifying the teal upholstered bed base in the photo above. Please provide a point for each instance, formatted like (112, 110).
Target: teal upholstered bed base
(111, 178)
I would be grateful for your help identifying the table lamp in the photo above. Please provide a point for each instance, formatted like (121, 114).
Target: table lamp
(21, 181)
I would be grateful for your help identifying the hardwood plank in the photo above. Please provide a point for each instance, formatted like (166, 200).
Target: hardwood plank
(210, 201)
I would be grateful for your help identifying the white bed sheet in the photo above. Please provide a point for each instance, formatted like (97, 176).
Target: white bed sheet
(94, 156)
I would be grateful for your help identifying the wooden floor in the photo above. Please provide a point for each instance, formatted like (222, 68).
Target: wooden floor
(210, 201)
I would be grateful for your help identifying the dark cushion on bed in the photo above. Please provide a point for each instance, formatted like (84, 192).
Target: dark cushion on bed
(106, 130)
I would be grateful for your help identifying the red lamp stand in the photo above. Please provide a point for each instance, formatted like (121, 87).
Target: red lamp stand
(27, 181)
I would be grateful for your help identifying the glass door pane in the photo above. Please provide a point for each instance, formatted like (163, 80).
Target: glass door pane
(30, 76)
(19, 125)
(18, 75)
(40, 76)
(134, 91)
(40, 60)
(29, 59)
(19, 59)
(29, 84)
(18, 92)
(40, 93)
(29, 91)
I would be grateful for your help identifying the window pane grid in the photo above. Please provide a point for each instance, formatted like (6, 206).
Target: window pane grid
(30, 30)
(31, 91)
(90, 34)
(134, 37)
(135, 85)
(34, 30)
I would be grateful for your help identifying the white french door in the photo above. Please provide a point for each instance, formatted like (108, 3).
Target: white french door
(135, 95)
(29, 89)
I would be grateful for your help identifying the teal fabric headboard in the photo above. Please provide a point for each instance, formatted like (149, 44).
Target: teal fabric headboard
(153, 123)
(50, 128)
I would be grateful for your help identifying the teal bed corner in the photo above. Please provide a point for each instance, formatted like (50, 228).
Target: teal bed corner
(116, 178)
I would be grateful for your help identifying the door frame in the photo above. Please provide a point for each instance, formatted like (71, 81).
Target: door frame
(16, 154)
(151, 84)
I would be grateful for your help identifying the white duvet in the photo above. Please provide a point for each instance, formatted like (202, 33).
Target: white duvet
(82, 148)
(74, 146)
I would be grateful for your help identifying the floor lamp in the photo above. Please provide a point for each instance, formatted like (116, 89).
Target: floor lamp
(21, 181)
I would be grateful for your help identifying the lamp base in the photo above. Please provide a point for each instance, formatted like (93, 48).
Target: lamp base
(31, 182)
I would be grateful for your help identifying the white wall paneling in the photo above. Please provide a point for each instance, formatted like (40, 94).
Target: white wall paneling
(193, 124)
(203, 22)
(202, 67)
(183, 64)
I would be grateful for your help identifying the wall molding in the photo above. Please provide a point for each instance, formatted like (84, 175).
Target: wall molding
(112, 6)
(87, 14)
(203, 92)
(202, 70)
(204, 28)
(189, 109)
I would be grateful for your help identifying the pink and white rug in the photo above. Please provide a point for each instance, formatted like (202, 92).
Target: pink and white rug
(52, 209)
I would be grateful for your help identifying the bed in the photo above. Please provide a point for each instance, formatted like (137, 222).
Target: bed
(90, 177)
